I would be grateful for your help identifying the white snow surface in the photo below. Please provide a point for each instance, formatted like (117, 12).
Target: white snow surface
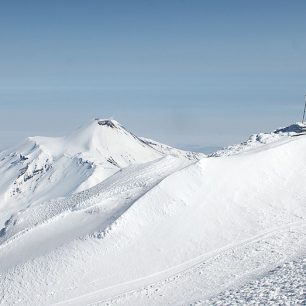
(257, 140)
(284, 285)
(158, 227)
(44, 168)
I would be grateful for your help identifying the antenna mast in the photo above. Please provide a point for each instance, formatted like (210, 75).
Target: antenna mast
(304, 111)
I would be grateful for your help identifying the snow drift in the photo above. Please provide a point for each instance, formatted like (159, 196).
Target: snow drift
(165, 229)
(44, 168)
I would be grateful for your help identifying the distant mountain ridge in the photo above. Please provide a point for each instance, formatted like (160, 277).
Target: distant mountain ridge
(260, 139)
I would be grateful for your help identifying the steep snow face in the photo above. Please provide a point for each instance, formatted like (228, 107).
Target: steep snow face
(108, 139)
(31, 173)
(178, 224)
(100, 140)
(257, 140)
(167, 150)
(43, 168)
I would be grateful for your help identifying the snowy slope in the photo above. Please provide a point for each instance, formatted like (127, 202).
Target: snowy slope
(165, 149)
(168, 231)
(284, 285)
(257, 140)
(44, 168)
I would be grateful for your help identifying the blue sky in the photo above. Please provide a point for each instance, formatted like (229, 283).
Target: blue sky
(188, 73)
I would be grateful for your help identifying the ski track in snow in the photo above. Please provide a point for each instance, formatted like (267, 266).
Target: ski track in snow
(194, 281)
(165, 230)
(284, 285)
(96, 204)
(46, 168)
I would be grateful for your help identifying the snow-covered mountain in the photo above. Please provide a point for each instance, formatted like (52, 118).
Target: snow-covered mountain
(257, 140)
(44, 168)
(162, 227)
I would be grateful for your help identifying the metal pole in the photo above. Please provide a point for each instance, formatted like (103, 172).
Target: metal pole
(304, 111)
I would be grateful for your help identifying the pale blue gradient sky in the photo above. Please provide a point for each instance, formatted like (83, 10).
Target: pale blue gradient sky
(188, 73)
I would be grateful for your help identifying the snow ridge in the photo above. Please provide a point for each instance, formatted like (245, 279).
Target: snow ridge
(257, 140)
(44, 168)
(104, 217)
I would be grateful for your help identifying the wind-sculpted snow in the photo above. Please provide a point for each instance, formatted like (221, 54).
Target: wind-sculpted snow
(165, 149)
(284, 285)
(216, 278)
(45, 168)
(169, 231)
(94, 208)
(32, 174)
(260, 139)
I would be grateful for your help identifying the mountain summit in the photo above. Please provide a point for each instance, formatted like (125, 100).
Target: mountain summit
(148, 227)
(42, 168)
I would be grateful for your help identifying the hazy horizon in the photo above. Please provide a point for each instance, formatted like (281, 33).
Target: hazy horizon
(190, 74)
